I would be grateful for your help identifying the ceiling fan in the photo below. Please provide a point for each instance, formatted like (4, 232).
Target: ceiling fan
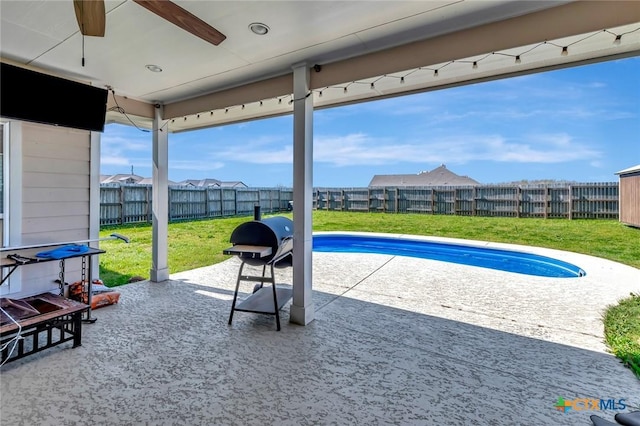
(90, 15)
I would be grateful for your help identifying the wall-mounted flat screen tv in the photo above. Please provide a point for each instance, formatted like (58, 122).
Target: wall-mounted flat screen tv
(34, 96)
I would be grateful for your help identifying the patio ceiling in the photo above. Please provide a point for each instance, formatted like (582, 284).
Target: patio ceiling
(366, 50)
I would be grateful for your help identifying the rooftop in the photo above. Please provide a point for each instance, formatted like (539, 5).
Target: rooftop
(440, 176)
(629, 170)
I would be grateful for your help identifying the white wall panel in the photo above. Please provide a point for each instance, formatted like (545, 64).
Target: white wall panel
(55, 198)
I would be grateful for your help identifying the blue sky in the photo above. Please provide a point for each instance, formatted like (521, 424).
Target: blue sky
(580, 124)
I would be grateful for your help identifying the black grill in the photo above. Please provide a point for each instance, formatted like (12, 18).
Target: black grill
(275, 233)
(267, 242)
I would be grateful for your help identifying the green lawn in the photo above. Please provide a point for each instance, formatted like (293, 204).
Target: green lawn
(200, 243)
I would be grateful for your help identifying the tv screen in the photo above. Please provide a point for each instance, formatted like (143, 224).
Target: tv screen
(34, 96)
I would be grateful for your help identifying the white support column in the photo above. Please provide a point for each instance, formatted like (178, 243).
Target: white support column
(94, 198)
(160, 202)
(13, 199)
(302, 307)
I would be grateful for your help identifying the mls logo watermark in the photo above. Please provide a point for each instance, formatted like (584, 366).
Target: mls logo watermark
(593, 404)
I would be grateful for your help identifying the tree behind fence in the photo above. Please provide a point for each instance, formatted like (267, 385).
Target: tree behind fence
(122, 204)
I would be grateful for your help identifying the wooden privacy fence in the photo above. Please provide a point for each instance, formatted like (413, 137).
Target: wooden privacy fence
(578, 201)
(121, 204)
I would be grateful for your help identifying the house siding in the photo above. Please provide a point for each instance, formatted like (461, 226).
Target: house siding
(2, 184)
(630, 199)
(55, 197)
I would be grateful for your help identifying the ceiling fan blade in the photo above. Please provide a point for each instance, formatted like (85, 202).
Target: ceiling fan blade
(184, 19)
(90, 16)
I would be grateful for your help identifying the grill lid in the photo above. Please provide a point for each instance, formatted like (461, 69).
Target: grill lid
(275, 232)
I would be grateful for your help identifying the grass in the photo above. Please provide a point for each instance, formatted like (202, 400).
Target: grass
(191, 245)
(200, 243)
(622, 331)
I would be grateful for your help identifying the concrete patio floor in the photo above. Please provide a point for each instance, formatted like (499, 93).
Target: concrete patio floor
(396, 340)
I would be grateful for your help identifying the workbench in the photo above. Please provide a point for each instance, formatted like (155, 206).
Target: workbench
(54, 312)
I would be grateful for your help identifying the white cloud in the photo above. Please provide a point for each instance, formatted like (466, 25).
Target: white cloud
(195, 165)
(258, 154)
(111, 143)
(117, 151)
(359, 149)
(362, 149)
(114, 160)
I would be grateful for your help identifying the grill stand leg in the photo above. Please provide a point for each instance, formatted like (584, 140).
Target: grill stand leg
(261, 279)
(275, 297)
(235, 294)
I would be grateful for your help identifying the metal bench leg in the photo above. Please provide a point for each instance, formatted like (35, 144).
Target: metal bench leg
(77, 329)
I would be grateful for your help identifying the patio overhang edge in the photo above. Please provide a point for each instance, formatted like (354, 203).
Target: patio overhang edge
(561, 21)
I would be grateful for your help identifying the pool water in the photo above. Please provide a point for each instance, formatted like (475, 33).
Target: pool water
(484, 257)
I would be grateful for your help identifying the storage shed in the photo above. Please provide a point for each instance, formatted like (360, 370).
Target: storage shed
(630, 196)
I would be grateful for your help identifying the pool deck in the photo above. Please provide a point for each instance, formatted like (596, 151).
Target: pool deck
(396, 340)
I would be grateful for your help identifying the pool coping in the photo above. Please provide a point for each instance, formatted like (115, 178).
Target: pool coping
(563, 255)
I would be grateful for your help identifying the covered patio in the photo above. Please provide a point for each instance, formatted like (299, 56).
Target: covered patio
(396, 340)
(228, 62)
(386, 340)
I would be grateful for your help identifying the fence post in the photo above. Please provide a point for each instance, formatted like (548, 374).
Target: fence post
(235, 203)
(396, 199)
(433, 201)
(474, 201)
(221, 202)
(206, 202)
(384, 199)
(547, 202)
(121, 204)
(518, 200)
(279, 199)
(570, 202)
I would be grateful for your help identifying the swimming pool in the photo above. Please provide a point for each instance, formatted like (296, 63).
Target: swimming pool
(505, 260)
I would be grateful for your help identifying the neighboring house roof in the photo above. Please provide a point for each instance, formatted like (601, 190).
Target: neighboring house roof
(212, 182)
(149, 181)
(440, 176)
(629, 170)
(201, 182)
(233, 184)
(121, 178)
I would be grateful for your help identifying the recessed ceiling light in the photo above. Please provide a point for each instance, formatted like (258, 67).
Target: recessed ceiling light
(153, 68)
(259, 28)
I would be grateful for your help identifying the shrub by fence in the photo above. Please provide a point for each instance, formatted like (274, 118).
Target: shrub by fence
(121, 204)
